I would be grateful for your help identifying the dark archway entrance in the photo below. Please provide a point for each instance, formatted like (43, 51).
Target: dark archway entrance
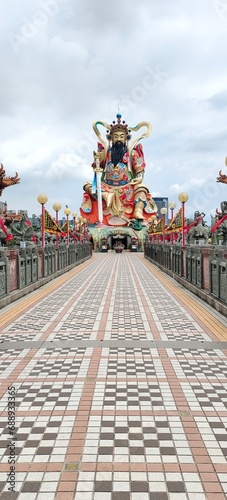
(123, 240)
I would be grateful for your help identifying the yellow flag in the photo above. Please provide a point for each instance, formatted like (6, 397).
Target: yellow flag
(50, 224)
(176, 222)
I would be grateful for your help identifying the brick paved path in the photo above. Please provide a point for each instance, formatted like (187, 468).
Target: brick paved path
(120, 377)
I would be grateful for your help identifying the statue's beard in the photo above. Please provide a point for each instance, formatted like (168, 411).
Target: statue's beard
(117, 152)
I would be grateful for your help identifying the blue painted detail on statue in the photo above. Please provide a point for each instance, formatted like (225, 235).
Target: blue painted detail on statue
(94, 184)
(117, 173)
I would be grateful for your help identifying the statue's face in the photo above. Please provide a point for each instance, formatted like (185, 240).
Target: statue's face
(118, 136)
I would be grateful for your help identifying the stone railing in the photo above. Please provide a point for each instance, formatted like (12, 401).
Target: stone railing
(25, 270)
(202, 270)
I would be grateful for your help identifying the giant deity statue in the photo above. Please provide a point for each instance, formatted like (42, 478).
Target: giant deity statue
(117, 195)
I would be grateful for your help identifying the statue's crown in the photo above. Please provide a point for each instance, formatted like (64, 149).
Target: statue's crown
(119, 126)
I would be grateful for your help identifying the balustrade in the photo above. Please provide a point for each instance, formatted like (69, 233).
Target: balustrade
(24, 267)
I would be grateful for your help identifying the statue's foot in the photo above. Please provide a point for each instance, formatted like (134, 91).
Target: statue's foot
(138, 214)
(107, 211)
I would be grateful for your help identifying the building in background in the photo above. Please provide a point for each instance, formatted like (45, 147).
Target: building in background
(161, 202)
(3, 207)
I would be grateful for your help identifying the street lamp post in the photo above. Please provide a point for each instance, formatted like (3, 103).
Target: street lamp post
(84, 221)
(67, 211)
(80, 224)
(42, 199)
(171, 206)
(183, 197)
(163, 212)
(74, 214)
(152, 219)
(56, 207)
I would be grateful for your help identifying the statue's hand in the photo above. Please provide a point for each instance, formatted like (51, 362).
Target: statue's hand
(99, 159)
(97, 155)
(137, 180)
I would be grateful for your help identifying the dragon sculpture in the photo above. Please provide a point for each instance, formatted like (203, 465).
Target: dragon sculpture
(7, 181)
(222, 177)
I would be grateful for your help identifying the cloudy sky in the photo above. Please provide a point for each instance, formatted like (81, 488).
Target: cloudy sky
(68, 63)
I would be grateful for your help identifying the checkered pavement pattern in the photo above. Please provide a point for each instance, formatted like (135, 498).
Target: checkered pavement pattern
(120, 388)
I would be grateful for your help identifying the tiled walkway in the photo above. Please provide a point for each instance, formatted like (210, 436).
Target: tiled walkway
(120, 379)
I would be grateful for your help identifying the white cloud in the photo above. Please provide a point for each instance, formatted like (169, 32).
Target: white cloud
(69, 166)
(162, 62)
